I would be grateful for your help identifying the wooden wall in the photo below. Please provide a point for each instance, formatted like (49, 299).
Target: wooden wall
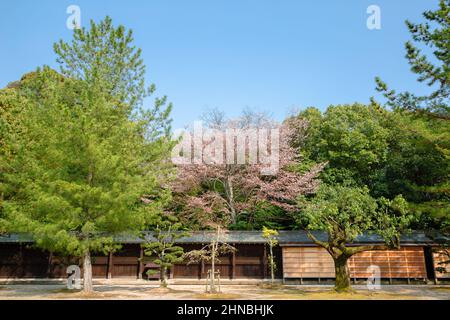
(24, 261)
(248, 262)
(406, 263)
(315, 262)
(438, 257)
(188, 271)
(21, 262)
(307, 262)
(125, 263)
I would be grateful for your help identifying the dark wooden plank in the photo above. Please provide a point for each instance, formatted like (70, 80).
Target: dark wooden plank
(264, 264)
(141, 263)
(110, 265)
(233, 265)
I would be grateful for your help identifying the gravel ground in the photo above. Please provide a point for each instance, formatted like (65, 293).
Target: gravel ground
(252, 292)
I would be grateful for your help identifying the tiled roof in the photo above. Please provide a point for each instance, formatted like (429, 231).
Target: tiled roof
(284, 238)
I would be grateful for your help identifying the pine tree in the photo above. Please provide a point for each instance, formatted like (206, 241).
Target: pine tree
(434, 34)
(86, 160)
(432, 111)
(164, 250)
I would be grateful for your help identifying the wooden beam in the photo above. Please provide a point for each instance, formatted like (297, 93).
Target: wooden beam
(233, 265)
(141, 263)
(21, 262)
(202, 268)
(264, 263)
(110, 265)
(433, 270)
(49, 264)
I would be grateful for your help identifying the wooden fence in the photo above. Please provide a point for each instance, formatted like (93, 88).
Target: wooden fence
(249, 261)
(315, 262)
(24, 261)
(441, 260)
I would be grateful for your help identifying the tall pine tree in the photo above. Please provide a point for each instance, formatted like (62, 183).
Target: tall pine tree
(429, 114)
(85, 157)
(435, 72)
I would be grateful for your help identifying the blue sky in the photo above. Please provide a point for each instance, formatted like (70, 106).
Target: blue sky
(232, 54)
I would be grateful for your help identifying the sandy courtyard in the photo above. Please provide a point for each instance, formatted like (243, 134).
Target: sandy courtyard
(150, 291)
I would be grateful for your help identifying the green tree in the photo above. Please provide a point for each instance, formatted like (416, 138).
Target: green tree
(431, 111)
(390, 152)
(105, 55)
(86, 161)
(167, 253)
(345, 213)
(263, 214)
(351, 138)
(418, 166)
(434, 35)
(9, 97)
(271, 240)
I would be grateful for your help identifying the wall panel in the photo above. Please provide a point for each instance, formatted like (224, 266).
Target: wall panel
(407, 262)
(441, 257)
(307, 262)
(315, 262)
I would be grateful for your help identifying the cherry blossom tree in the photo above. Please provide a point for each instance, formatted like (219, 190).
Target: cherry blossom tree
(214, 190)
(211, 253)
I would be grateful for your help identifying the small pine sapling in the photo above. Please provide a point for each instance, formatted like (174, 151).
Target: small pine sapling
(165, 250)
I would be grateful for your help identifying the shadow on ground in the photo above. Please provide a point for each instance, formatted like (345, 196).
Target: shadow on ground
(231, 292)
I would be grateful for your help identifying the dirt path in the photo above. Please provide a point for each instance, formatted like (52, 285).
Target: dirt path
(253, 292)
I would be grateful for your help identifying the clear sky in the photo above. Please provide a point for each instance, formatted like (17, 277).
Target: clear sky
(231, 54)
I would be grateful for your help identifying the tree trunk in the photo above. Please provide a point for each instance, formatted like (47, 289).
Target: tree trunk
(272, 271)
(163, 276)
(230, 194)
(342, 283)
(213, 268)
(87, 273)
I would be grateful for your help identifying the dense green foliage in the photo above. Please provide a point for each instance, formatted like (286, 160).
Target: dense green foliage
(82, 159)
(430, 125)
(346, 212)
(351, 138)
(390, 152)
(75, 172)
(261, 215)
(378, 158)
